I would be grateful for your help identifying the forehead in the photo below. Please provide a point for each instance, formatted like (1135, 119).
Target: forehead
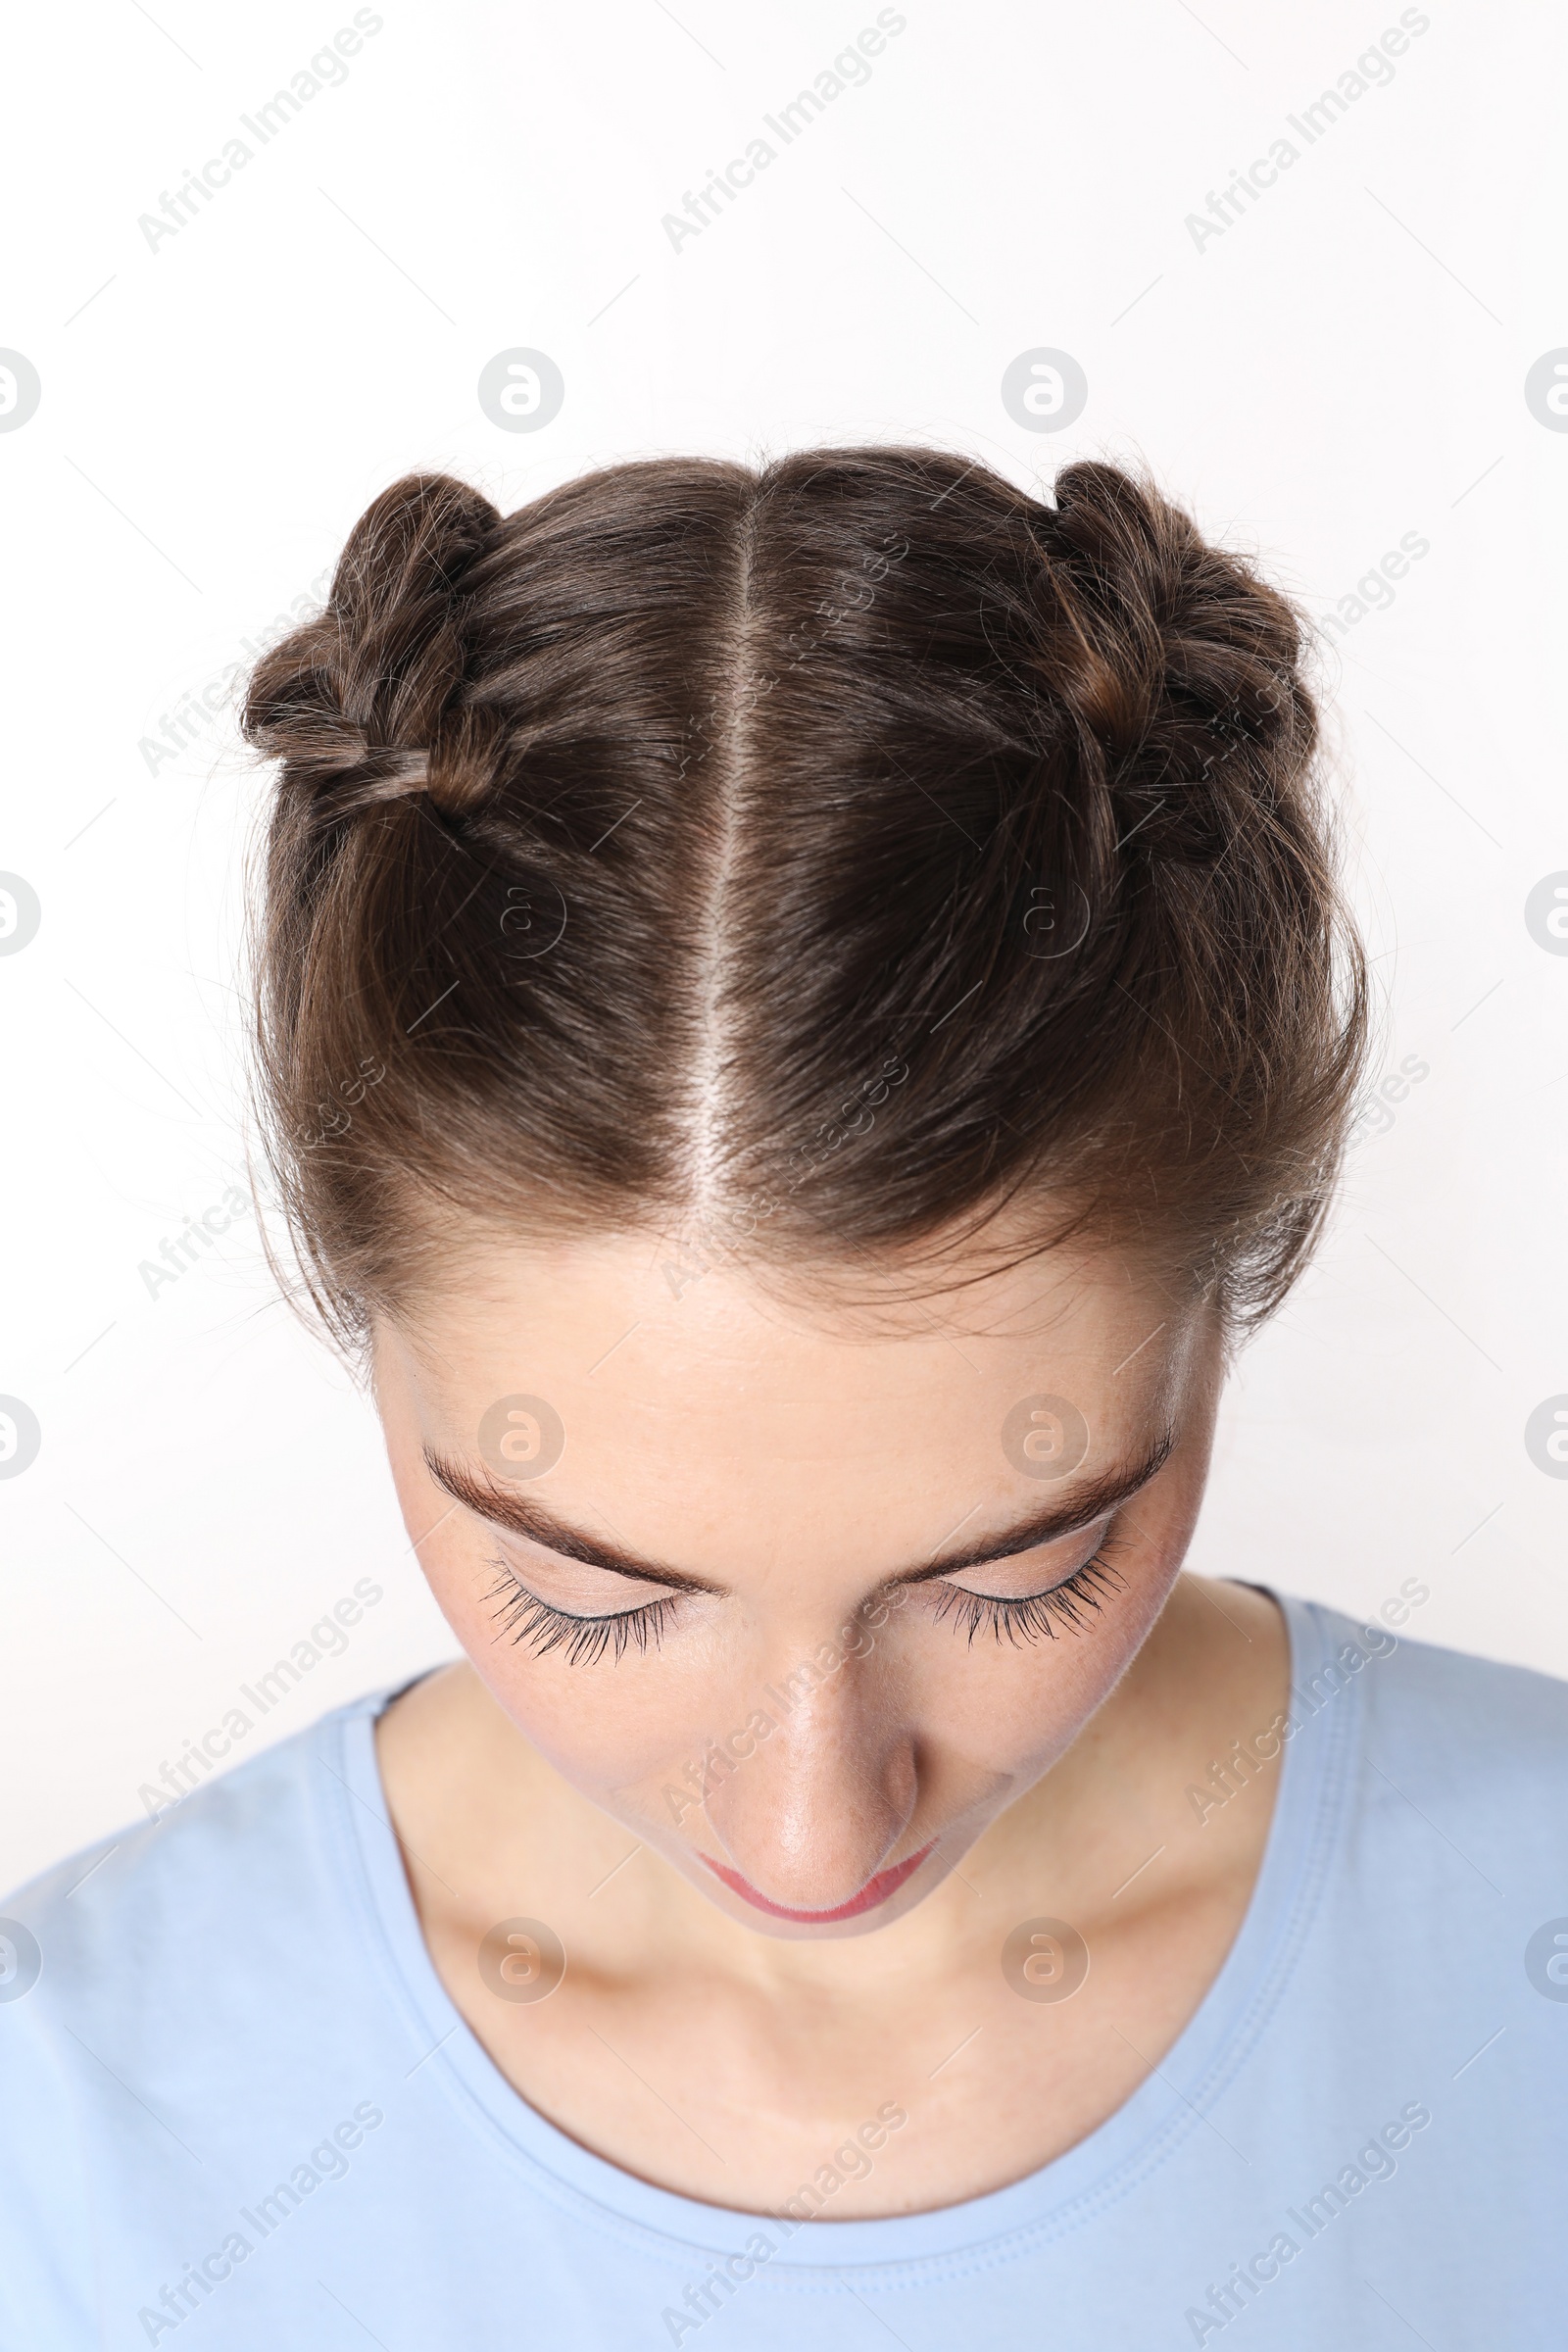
(660, 1373)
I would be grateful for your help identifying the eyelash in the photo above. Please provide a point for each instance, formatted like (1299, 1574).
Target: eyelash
(525, 1617)
(1086, 1590)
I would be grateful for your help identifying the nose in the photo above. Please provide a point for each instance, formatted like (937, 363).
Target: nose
(822, 1800)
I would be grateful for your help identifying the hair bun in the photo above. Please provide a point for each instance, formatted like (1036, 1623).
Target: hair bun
(362, 704)
(1179, 664)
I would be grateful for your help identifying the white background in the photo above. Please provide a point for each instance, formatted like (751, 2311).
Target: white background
(1343, 365)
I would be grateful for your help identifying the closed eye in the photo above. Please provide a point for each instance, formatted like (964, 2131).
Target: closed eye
(585, 1634)
(523, 1615)
(1072, 1603)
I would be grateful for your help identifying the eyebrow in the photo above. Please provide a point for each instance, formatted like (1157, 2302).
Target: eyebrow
(528, 1515)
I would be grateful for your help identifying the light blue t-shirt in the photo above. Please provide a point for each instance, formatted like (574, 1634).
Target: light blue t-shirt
(238, 2110)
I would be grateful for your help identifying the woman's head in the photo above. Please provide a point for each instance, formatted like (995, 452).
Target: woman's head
(869, 937)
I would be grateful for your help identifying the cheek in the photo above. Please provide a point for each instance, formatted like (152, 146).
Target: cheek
(605, 1727)
(1014, 1709)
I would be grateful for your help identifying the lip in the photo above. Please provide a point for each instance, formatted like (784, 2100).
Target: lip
(876, 1890)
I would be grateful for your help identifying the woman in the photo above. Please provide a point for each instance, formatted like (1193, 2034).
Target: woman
(804, 1013)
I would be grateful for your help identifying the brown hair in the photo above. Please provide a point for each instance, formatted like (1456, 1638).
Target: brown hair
(827, 854)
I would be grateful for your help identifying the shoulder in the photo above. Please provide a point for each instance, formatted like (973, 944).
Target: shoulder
(1481, 1741)
(1415, 1678)
(143, 1982)
(138, 1916)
